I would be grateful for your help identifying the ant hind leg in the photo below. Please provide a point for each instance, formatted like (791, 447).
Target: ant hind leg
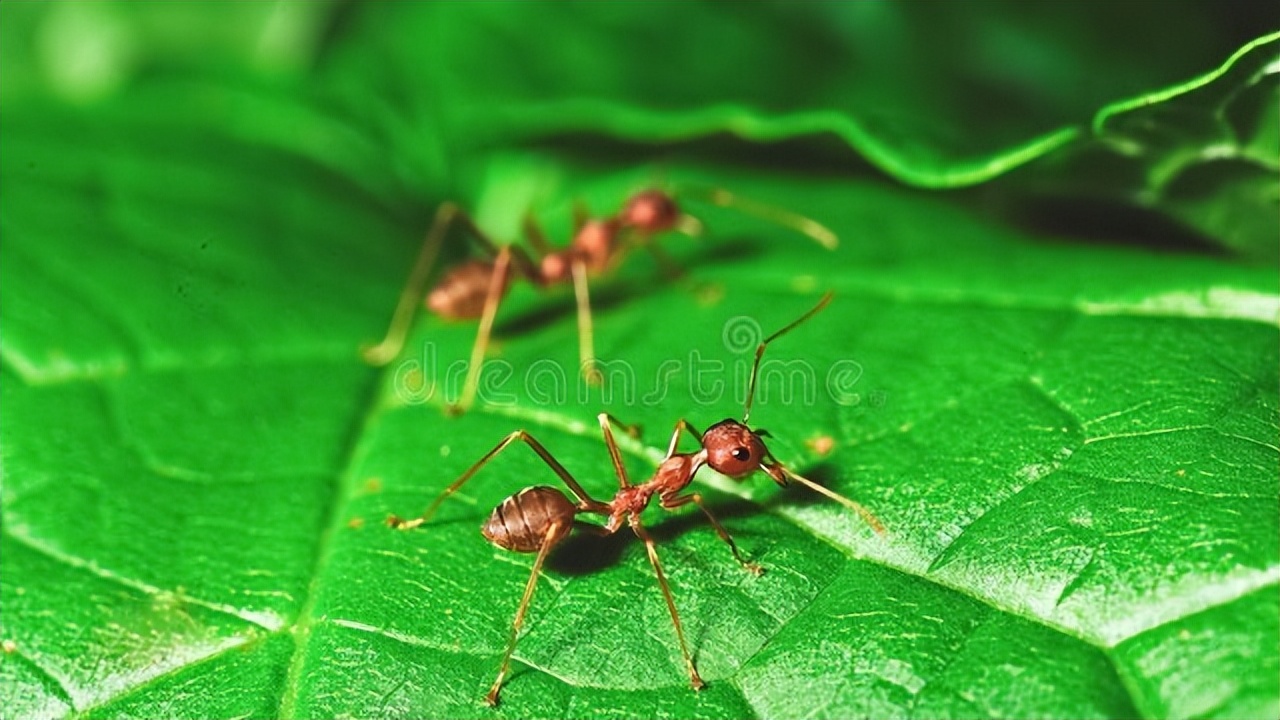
(552, 534)
(391, 344)
(585, 501)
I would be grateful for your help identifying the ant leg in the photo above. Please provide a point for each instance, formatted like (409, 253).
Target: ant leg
(696, 498)
(393, 341)
(585, 501)
(446, 216)
(519, 259)
(666, 595)
(586, 350)
(533, 233)
(681, 425)
(669, 267)
(524, 264)
(631, 430)
(497, 287)
(506, 258)
(618, 468)
(547, 544)
(580, 215)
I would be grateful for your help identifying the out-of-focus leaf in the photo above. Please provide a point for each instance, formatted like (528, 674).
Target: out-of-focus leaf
(214, 226)
(81, 51)
(937, 95)
(1205, 152)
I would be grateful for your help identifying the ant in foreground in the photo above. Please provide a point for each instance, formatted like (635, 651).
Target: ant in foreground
(474, 288)
(538, 518)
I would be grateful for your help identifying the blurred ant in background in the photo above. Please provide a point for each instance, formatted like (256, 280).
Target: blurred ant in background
(474, 288)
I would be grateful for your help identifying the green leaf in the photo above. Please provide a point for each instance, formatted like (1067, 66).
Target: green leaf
(1205, 152)
(934, 95)
(1072, 447)
(83, 52)
(1072, 444)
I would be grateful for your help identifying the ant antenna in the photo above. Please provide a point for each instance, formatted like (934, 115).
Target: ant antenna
(866, 514)
(818, 232)
(755, 369)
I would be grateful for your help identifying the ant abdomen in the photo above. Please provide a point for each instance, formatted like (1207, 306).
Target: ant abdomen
(461, 293)
(531, 518)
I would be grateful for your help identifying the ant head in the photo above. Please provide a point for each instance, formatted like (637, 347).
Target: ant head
(736, 450)
(732, 447)
(651, 212)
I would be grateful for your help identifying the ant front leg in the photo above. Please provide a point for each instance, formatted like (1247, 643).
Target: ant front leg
(585, 501)
(682, 425)
(673, 502)
(696, 498)
(606, 420)
(669, 267)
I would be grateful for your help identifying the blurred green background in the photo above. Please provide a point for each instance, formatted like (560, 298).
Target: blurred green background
(1057, 282)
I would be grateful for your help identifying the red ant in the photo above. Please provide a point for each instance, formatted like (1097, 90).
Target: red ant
(538, 518)
(474, 288)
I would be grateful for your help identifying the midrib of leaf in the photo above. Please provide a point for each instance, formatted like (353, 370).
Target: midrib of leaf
(344, 481)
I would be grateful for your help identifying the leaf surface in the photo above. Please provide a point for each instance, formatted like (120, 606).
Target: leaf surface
(1070, 444)
(1071, 441)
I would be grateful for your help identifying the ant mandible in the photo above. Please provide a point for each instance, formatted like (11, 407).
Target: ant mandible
(538, 518)
(474, 288)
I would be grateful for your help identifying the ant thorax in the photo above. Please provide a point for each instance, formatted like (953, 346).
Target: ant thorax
(595, 243)
(676, 472)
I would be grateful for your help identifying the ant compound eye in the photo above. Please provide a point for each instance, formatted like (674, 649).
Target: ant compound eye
(741, 454)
